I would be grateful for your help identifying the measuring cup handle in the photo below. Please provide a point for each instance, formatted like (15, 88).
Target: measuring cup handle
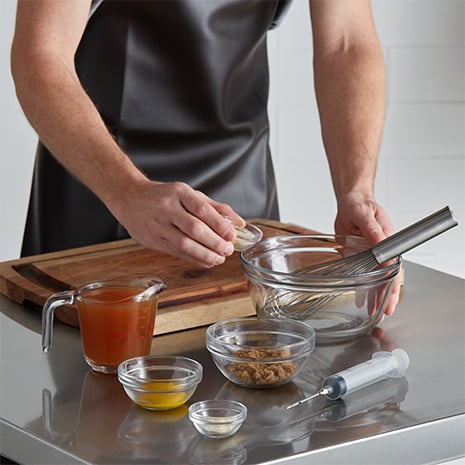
(54, 301)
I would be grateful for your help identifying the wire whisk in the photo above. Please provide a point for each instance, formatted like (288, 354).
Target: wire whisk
(302, 305)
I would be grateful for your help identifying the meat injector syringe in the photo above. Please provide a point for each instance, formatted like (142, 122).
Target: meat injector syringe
(382, 365)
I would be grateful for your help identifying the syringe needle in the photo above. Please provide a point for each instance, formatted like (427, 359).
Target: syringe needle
(301, 401)
(322, 392)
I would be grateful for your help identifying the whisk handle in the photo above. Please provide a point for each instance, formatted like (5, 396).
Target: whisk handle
(414, 235)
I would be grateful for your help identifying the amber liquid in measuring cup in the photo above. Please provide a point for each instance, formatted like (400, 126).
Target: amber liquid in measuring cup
(116, 319)
(114, 327)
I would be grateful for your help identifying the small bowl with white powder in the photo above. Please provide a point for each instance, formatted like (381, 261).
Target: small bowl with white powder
(217, 418)
(246, 235)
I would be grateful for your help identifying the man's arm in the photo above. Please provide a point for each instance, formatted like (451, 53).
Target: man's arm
(172, 217)
(46, 37)
(349, 85)
(350, 91)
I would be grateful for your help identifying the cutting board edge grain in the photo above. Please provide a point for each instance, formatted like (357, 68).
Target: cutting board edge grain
(204, 313)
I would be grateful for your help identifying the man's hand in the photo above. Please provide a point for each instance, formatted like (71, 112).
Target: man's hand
(361, 216)
(181, 221)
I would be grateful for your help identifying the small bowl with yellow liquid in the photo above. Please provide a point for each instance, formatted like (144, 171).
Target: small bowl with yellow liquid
(160, 382)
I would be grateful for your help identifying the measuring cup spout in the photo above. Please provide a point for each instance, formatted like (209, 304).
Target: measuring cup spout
(155, 287)
(54, 301)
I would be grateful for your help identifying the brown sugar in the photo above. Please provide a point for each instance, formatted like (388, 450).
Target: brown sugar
(262, 374)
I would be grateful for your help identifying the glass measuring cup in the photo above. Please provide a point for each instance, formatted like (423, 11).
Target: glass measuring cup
(116, 318)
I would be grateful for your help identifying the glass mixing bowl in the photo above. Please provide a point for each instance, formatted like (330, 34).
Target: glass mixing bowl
(338, 307)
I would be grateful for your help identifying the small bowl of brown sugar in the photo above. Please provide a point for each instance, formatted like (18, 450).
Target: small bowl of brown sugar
(260, 353)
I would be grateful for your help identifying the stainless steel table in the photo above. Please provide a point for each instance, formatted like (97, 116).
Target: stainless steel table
(55, 411)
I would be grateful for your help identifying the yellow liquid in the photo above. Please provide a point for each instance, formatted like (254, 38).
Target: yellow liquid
(154, 400)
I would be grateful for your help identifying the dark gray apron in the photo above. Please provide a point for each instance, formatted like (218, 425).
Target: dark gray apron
(183, 87)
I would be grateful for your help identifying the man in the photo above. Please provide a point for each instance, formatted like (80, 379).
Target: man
(158, 109)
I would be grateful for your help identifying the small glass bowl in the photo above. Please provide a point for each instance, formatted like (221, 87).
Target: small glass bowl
(246, 236)
(160, 382)
(260, 353)
(217, 418)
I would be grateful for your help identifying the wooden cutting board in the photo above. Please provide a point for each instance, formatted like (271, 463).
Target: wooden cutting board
(194, 297)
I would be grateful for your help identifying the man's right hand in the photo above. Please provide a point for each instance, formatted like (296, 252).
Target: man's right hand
(179, 220)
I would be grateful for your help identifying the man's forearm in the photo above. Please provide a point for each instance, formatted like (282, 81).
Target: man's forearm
(47, 35)
(349, 84)
(71, 127)
(351, 99)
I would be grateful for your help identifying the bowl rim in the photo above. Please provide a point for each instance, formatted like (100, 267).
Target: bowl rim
(388, 271)
(238, 415)
(136, 382)
(304, 345)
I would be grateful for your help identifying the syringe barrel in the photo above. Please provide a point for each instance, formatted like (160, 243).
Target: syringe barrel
(382, 365)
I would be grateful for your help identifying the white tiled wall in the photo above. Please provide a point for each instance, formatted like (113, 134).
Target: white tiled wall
(422, 160)
(422, 165)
